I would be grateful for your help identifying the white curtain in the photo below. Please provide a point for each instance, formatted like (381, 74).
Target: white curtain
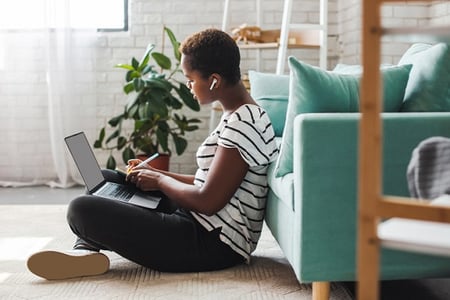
(47, 91)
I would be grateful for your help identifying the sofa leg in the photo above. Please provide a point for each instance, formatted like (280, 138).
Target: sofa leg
(321, 290)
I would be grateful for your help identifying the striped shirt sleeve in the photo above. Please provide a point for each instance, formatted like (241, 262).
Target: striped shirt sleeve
(247, 131)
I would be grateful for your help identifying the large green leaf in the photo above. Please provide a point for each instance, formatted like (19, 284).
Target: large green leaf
(132, 108)
(180, 144)
(175, 43)
(141, 128)
(145, 59)
(132, 74)
(175, 103)
(163, 126)
(162, 60)
(142, 111)
(163, 137)
(138, 84)
(158, 83)
(128, 88)
(187, 97)
(98, 143)
(191, 128)
(111, 163)
(146, 69)
(155, 93)
(138, 124)
(127, 154)
(115, 120)
(113, 136)
(121, 142)
(145, 145)
(124, 66)
(158, 106)
(135, 63)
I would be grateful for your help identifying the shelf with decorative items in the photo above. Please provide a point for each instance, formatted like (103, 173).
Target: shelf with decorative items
(270, 39)
(289, 36)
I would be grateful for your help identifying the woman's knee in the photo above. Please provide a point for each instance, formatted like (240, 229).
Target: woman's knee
(85, 209)
(78, 208)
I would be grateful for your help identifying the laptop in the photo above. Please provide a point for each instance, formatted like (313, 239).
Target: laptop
(93, 178)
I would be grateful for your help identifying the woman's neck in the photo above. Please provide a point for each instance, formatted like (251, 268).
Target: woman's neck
(234, 97)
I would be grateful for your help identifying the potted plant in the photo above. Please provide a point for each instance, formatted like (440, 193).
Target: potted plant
(150, 118)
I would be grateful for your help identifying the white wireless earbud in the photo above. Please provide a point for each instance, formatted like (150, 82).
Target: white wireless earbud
(213, 84)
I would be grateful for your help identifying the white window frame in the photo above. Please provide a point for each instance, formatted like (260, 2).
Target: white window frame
(74, 14)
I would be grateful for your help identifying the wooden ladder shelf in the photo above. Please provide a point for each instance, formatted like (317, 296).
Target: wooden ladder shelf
(372, 205)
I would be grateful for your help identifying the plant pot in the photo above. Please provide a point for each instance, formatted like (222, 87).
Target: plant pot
(160, 163)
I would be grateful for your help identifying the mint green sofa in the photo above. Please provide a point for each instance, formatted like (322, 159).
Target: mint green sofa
(312, 211)
(312, 202)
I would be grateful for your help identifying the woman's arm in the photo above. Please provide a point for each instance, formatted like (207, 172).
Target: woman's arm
(184, 178)
(225, 175)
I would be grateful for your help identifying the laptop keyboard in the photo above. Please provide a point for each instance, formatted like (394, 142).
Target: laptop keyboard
(116, 191)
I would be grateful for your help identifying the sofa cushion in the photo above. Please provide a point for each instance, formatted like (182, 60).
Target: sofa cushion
(391, 99)
(282, 187)
(271, 92)
(428, 87)
(313, 90)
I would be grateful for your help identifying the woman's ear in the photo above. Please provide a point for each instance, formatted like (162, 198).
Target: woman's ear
(215, 81)
(213, 84)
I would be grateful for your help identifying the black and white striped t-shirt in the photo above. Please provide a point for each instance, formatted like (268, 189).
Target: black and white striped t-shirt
(249, 130)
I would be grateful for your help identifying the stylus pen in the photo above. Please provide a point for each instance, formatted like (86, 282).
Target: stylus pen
(147, 160)
(143, 163)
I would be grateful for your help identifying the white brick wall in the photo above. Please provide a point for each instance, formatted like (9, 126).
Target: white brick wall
(413, 14)
(145, 20)
(440, 13)
(145, 26)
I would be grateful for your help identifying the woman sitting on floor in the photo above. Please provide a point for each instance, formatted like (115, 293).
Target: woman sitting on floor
(207, 221)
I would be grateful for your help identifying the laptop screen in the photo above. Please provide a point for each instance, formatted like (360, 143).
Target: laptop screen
(85, 160)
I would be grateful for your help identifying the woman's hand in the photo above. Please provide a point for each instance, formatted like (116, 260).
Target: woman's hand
(132, 163)
(144, 179)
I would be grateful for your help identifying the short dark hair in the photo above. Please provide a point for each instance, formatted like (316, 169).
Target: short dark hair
(213, 51)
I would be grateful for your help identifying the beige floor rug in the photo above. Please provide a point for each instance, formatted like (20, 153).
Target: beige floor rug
(25, 229)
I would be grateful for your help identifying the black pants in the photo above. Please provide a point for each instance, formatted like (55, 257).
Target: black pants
(166, 239)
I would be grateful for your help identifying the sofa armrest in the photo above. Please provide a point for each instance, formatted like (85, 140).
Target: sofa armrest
(325, 182)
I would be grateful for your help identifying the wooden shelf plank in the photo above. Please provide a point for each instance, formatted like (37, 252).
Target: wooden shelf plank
(431, 34)
(418, 236)
(412, 208)
(415, 236)
(274, 46)
(299, 38)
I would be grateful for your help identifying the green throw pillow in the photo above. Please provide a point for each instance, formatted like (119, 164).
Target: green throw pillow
(354, 69)
(428, 87)
(392, 92)
(313, 90)
(271, 92)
